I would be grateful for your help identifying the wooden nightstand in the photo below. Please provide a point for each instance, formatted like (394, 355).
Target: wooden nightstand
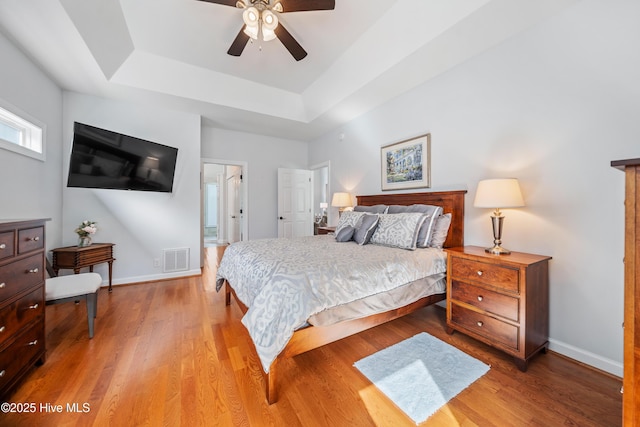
(501, 300)
(326, 230)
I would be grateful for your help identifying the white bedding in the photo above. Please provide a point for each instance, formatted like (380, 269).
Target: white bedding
(285, 281)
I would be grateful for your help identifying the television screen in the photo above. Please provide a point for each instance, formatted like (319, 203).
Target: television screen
(104, 159)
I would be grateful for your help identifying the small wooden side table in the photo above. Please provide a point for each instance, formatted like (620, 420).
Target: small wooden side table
(326, 230)
(75, 258)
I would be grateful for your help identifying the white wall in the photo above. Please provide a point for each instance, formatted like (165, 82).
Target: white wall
(30, 188)
(140, 223)
(264, 155)
(552, 107)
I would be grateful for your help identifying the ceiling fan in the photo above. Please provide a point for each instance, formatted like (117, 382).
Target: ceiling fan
(261, 16)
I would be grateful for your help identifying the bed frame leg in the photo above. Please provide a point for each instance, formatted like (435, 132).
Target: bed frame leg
(227, 293)
(270, 383)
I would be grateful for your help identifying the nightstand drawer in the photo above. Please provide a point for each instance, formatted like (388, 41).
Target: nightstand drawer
(485, 299)
(492, 329)
(496, 276)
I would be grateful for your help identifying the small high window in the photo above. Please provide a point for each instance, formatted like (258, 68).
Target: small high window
(20, 134)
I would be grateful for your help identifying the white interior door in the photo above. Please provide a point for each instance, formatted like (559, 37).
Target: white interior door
(295, 216)
(234, 207)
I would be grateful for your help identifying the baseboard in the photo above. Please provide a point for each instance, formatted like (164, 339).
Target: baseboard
(586, 357)
(152, 277)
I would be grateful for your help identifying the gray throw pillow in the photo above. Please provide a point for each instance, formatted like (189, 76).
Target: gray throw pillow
(345, 234)
(398, 230)
(348, 218)
(424, 235)
(378, 209)
(365, 228)
(440, 231)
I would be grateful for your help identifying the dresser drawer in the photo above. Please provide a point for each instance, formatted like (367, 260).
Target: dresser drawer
(21, 312)
(485, 299)
(23, 350)
(497, 276)
(492, 329)
(30, 239)
(6, 244)
(21, 275)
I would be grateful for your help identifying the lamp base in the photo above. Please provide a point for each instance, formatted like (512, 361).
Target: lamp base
(497, 250)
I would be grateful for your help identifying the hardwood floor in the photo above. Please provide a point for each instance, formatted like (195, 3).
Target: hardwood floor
(170, 353)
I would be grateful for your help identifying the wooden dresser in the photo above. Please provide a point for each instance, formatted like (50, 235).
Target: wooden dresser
(501, 300)
(22, 333)
(631, 370)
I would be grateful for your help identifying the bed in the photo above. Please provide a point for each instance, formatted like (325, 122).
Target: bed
(289, 326)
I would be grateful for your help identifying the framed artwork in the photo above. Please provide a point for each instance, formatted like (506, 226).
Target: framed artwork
(407, 164)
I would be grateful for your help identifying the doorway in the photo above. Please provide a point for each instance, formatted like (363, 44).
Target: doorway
(224, 213)
(321, 192)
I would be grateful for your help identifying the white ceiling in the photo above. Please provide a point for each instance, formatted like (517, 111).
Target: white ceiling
(173, 53)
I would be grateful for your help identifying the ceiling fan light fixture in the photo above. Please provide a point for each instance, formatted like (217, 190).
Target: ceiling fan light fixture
(267, 34)
(269, 20)
(277, 7)
(251, 32)
(251, 17)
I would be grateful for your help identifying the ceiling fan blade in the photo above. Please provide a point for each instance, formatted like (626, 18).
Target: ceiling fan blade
(290, 43)
(223, 2)
(239, 43)
(307, 5)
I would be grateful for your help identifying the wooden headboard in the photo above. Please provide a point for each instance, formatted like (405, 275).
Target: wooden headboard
(451, 202)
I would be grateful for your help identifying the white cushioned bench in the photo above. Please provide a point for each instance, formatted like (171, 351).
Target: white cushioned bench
(74, 287)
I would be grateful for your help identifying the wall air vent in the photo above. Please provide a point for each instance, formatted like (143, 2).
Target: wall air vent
(175, 260)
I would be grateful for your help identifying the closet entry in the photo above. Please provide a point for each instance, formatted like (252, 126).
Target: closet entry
(631, 373)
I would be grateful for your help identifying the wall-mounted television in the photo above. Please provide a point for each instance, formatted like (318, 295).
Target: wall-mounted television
(102, 158)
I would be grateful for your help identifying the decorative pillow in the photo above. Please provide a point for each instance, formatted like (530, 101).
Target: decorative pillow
(345, 234)
(427, 227)
(398, 230)
(365, 228)
(377, 209)
(440, 231)
(348, 218)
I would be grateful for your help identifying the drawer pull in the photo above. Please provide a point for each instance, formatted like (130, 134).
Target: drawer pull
(34, 270)
(480, 297)
(3, 246)
(2, 373)
(34, 342)
(3, 285)
(479, 272)
(33, 307)
(480, 323)
(2, 328)
(34, 239)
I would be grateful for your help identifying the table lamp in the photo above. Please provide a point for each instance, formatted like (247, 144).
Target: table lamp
(497, 194)
(341, 201)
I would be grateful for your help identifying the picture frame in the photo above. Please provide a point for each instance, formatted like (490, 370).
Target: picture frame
(406, 164)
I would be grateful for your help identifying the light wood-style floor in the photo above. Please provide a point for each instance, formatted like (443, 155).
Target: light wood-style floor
(171, 354)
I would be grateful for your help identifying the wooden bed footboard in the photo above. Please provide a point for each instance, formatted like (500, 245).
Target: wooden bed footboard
(312, 337)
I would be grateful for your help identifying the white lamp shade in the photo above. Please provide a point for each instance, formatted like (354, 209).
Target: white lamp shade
(498, 193)
(341, 200)
(251, 18)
